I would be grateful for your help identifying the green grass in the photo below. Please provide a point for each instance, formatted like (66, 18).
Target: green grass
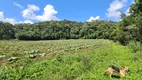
(68, 60)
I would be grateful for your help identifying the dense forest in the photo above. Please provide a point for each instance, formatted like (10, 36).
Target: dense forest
(51, 30)
(129, 28)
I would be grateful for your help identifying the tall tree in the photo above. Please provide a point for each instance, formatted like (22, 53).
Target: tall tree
(130, 28)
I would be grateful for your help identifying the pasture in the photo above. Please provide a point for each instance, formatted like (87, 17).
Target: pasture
(66, 60)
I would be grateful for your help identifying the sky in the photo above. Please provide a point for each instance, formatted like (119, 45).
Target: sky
(31, 11)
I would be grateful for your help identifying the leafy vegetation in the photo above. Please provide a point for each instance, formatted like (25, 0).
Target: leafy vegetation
(130, 28)
(53, 30)
(87, 62)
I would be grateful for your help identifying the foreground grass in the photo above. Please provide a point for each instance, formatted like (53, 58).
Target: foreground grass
(82, 65)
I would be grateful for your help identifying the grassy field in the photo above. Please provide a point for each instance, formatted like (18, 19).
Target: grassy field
(67, 60)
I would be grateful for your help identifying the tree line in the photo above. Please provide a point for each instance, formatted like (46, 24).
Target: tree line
(51, 30)
(129, 28)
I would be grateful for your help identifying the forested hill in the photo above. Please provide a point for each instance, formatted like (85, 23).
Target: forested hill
(129, 28)
(51, 30)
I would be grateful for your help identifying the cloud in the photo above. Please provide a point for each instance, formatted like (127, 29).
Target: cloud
(18, 5)
(1, 16)
(48, 14)
(33, 7)
(127, 12)
(93, 19)
(28, 21)
(115, 6)
(124, 1)
(10, 20)
(29, 12)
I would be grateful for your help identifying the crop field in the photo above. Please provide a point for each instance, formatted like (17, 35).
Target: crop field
(66, 60)
(44, 49)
